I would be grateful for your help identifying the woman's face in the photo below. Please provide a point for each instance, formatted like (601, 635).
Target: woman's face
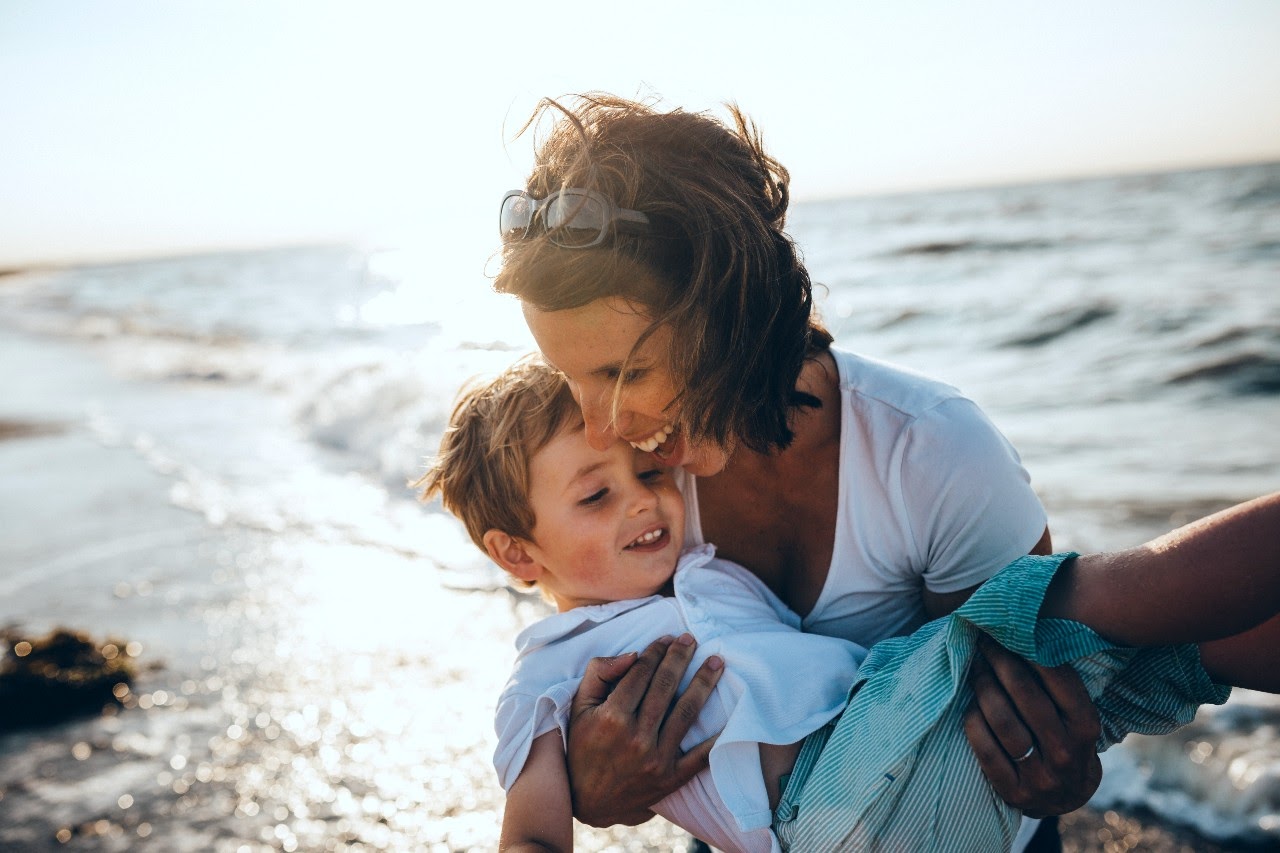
(590, 345)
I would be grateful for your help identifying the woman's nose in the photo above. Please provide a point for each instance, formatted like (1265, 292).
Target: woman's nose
(598, 420)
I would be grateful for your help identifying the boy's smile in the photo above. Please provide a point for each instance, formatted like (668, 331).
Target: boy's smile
(608, 524)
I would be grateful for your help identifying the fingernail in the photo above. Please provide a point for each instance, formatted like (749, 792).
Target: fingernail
(665, 638)
(685, 639)
(715, 663)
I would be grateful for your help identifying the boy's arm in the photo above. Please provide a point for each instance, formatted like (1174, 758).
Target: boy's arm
(539, 812)
(1214, 578)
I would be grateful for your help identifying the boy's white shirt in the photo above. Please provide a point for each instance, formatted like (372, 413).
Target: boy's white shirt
(779, 685)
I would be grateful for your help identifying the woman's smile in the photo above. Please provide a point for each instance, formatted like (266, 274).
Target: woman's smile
(650, 444)
(622, 394)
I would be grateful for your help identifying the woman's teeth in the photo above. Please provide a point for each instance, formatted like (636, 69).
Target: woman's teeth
(654, 441)
(648, 538)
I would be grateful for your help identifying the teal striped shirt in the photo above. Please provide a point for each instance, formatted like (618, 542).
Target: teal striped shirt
(896, 773)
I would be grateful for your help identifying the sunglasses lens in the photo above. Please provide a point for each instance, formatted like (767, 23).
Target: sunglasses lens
(576, 219)
(514, 217)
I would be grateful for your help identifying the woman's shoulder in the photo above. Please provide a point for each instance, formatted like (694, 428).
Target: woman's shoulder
(872, 383)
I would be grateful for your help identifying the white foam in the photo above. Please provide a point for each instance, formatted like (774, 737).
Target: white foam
(1220, 775)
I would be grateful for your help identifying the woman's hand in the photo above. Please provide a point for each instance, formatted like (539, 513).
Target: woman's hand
(625, 731)
(1034, 731)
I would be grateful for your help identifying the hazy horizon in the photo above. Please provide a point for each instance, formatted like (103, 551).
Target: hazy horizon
(196, 250)
(147, 128)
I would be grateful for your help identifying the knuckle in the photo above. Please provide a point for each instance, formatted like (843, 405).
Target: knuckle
(685, 713)
(1057, 756)
(651, 767)
(1001, 720)
(665, 681)
(611, 720)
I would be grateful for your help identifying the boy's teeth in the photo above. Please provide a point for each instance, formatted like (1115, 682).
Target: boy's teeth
(647, 538)
(654, 441)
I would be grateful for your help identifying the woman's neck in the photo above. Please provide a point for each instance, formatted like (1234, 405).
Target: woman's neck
(775, 513)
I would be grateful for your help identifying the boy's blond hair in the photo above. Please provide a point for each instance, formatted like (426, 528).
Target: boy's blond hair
(482, 470)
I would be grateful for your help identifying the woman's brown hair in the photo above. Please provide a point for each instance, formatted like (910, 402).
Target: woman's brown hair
(729, 281)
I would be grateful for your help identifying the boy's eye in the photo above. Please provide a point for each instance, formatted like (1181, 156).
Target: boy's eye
(652, 474)
(594, 498)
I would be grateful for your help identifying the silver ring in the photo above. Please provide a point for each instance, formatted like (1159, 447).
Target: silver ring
(1025, 755)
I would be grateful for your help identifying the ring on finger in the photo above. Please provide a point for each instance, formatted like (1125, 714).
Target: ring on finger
(1021, 758)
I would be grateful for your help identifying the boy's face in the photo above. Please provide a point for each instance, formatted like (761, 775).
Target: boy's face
(608, 524)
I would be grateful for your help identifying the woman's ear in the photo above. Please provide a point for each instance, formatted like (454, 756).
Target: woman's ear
(511, 554)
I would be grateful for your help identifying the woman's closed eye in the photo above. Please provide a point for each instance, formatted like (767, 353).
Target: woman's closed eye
(634, 374)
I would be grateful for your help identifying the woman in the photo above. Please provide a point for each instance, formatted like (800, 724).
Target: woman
(649, 256)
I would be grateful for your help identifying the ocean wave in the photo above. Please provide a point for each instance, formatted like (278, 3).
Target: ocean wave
(385, 412)
(1061, 323)
(1220, 774)
(951, 247)
(1266, 193)
(1245, 373)
(1263, 250)
(1240, 334)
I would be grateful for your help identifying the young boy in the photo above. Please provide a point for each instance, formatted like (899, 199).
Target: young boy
(816, 748)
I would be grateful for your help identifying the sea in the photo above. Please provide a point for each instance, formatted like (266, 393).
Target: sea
(210, 457)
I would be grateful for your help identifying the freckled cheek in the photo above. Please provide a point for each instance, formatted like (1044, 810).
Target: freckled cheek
(647, 404)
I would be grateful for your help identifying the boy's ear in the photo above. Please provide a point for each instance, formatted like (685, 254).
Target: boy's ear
(511, 554)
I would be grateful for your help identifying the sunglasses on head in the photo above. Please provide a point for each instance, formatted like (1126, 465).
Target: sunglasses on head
(571, 218)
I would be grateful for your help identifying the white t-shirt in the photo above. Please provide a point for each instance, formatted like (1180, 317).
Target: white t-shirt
(778, 686)
(931, 495)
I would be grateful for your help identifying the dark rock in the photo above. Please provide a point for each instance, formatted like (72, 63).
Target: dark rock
(58, 677)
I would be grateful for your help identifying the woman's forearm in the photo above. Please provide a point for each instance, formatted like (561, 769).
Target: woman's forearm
(1214, 578)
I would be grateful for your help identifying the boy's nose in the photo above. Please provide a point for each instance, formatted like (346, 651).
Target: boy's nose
(645, 499)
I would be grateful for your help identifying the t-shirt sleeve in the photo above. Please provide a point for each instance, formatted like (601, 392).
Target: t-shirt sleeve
(969, 502)
(521, 718)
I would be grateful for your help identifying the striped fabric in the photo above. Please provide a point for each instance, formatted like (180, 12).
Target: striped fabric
(897, 773)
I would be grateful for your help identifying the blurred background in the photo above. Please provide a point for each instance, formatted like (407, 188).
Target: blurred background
(247, 251)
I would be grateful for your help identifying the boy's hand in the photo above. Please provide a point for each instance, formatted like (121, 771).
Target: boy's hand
(625, 732)
(1034, 731)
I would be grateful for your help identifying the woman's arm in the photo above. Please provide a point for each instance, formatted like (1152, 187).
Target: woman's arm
(1212, 579)
(625, 732)
(1216, 579)
(538, 816)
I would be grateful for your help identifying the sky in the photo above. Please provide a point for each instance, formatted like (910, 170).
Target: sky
(137, 128)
